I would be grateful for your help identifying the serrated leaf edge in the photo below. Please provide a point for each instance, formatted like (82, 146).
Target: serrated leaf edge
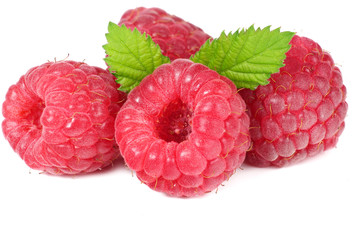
(127, 81)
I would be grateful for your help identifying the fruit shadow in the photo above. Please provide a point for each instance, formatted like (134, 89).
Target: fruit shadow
(116, 165)
(253, 170)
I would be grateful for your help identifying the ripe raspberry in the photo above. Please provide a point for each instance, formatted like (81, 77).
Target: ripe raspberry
(183, 130)
(301, 111)
(59, 117)
(176, 38)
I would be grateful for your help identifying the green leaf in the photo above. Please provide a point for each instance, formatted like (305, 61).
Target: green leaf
(247, 57)
(131, 56)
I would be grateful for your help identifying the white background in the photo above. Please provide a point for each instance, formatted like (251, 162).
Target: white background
(316, 199)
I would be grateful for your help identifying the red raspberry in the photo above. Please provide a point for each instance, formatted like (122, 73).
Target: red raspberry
(176, 38)
(301, 111)
(183, 130)
(59, 117)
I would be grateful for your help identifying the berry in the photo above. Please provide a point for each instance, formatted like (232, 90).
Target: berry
(176, 38)
(183, 129)
(301, 111)
(59, 117)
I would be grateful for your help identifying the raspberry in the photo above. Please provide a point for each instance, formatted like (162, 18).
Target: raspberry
(183, 129)
(301, 111)
(176, 38)
(59, 117)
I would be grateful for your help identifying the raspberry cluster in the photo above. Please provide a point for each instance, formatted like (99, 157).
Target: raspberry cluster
(301, 111)
(184, 128)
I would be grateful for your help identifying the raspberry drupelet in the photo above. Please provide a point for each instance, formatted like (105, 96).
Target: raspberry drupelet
(176, 37)
(59, 117)
(301, 111)
(184, 129)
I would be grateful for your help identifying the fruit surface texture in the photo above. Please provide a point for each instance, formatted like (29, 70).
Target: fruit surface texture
(176, 37)
(184, 129)
(301, 111)
(59, 117)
